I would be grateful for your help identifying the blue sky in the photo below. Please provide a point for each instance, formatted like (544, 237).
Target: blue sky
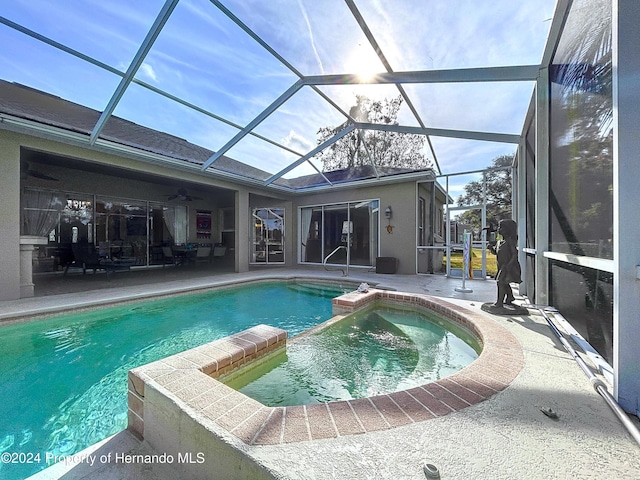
(206, 59)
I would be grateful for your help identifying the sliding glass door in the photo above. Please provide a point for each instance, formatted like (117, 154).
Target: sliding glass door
(344, 232)
(133, 230)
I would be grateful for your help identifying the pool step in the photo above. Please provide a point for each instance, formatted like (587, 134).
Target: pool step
(319, 290)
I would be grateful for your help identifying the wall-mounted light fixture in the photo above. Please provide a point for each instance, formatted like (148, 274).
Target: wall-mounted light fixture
(388, 213)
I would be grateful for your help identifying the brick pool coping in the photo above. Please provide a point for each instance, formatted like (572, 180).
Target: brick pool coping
(189, 379)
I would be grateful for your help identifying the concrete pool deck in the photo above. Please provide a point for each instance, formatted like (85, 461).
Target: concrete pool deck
(506, 436)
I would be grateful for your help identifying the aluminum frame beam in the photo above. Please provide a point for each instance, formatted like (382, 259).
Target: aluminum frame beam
(139, 57)
(626, 192)
(440, 132)
(521, 73)
(374, 43)
(346, 130)
(559, 17)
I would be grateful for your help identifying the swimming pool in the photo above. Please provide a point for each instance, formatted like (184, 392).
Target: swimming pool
(372, 352)
(64, 379)
(179, 404)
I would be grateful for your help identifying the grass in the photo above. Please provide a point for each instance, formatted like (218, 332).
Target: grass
(476, 261)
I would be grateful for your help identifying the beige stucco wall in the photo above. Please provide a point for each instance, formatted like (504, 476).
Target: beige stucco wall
(9, 217)
(401, 197)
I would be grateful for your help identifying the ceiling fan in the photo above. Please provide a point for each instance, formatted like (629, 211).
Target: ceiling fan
(183, 196)
(26, 171)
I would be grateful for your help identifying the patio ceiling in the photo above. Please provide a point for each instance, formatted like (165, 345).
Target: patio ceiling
(255, 80)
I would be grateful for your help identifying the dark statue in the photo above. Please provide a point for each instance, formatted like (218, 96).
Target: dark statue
(506, 251)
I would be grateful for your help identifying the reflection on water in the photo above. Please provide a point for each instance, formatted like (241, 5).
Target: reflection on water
(361, 356)
(64, 380)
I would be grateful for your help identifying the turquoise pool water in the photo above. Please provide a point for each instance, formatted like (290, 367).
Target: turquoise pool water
(367, 354)
(63, 380)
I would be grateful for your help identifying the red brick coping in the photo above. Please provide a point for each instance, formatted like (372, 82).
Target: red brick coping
(189, 379)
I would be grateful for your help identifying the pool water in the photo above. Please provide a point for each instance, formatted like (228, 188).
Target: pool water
(376, 352)
(63, 380)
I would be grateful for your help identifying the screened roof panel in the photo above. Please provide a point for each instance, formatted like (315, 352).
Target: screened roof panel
(53, 71)
(107, 31)
(439, 35)
(261, 154)
(147, 108)
(218, 72)
(465, 155)
(345, 96)
(204, 58)
(313, 165)
(483, 106)
(315, 37)
(295, 124)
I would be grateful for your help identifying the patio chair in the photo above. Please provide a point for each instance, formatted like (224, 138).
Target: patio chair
(169, 257)
(203, 255)
(86, 257)
(219, 251)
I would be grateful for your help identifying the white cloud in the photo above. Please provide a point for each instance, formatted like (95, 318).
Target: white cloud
(311, 39)
(147, 71)
(298, 142)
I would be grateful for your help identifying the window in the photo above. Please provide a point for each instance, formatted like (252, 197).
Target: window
(119, 228)
(268, 235)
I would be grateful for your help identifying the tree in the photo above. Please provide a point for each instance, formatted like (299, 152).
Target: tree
(498, 191)
(385, 149)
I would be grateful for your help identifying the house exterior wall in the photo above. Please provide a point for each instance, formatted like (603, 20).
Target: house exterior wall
(401, 197)
(10, 217)
(155, 182)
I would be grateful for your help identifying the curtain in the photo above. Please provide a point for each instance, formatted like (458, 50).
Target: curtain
(305, 224)
(41, 211)
(180, 234)
(169, 217)
(175, 218)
